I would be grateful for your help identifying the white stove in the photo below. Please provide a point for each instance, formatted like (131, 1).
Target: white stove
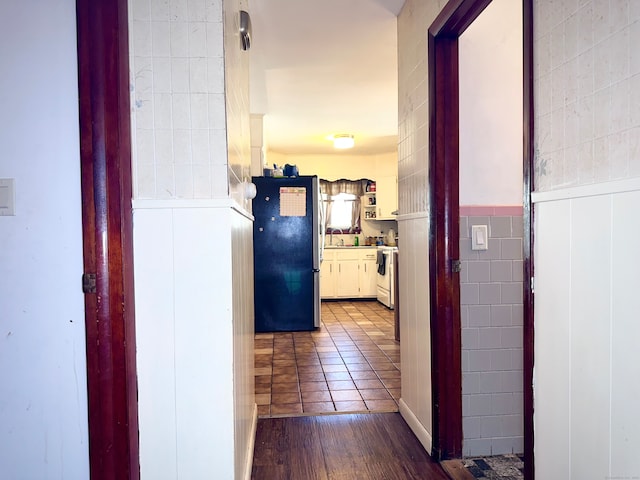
(386, 273)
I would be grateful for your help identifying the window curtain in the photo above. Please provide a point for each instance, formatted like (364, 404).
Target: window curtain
(353, 187)
(355, 213)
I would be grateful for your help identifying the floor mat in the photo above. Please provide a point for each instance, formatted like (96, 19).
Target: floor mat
(503, 467)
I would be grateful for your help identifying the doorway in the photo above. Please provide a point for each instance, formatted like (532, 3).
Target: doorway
(444, 34)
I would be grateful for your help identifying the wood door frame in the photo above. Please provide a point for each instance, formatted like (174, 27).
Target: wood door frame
(444, 235)
(107, 230)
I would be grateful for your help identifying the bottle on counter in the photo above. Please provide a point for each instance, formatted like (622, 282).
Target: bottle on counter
(356, 242)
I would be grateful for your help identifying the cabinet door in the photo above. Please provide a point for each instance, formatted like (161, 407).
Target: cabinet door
(368, 275)
(387, 197)
(327, 278)
(347, 279)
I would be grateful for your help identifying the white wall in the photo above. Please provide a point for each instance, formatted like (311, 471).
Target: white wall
(587, 79)
(43, 392)
(490, 58)
(195, 340)
(193, 240)
(413, 221)
(337, 166)
(586, 331)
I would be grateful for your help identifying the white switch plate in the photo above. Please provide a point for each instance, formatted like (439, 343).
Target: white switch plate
(479, 237)
(7, 197)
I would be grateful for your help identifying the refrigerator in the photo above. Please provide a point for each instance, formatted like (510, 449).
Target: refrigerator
(287, 253)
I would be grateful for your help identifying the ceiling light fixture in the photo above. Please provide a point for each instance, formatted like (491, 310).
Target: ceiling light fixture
(343, 140)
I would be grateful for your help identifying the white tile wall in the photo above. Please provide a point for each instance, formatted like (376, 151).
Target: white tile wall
(491, 311)
(587, 135)
(587, 78)
(238, 121)
(190, 117)
(413, 22)
(413, 112)
(177, 98)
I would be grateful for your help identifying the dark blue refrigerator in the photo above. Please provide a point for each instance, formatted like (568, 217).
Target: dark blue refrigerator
(286, 254)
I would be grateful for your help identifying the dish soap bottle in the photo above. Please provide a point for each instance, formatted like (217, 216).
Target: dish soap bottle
(356, 242)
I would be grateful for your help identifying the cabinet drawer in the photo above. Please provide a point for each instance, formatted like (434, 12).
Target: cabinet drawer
(369, 255)
(347, 254)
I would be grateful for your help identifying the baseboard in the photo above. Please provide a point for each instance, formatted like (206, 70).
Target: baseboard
(414, 424)
(252, 443)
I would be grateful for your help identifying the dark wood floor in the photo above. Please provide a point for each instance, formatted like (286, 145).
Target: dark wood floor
(370, 446)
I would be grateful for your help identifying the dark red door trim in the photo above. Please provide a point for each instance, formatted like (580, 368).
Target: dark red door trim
(443, 36)
(528, 187)
(446, 365)
(105, 146)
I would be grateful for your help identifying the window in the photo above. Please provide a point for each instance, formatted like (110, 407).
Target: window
(343, 212)
(341, 199)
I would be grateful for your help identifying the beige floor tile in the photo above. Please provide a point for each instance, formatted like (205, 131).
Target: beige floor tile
(284, 398)
(345, 395)
(381, 405)
(286, 409)
(334, 368)
(313, 386)
(318, 407)
(321, 396)
(285, 387)
(362, 384)
(375, 394)
(351, 406)
(337, 376)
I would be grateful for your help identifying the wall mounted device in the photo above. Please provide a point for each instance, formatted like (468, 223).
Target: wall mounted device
(7, 197)
(245, 30)
(479, 237)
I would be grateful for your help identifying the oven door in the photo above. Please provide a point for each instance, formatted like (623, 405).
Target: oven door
(384, 282)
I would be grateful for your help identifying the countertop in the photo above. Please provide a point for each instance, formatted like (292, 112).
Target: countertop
(339, 247)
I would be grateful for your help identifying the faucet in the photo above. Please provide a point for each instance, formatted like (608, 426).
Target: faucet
(331, 230)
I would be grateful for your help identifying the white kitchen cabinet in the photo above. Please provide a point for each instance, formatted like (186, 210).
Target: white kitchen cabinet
(368, 273)
(348, 263)
(328, 275)
(348, 273)
(386, 198)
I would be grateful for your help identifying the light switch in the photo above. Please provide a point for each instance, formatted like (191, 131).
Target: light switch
(7, 197)
(479, 237)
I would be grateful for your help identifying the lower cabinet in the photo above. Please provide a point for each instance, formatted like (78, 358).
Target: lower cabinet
(347, 277)
(368, 274)
(327, 275)
(348, 273)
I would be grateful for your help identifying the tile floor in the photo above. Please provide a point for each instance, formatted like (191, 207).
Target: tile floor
(350, 364)
(501, 467)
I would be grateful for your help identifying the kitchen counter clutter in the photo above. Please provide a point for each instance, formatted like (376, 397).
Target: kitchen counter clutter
(341, 247)
(348, 272)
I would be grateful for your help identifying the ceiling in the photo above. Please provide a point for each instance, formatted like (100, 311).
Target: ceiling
(323, 67)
